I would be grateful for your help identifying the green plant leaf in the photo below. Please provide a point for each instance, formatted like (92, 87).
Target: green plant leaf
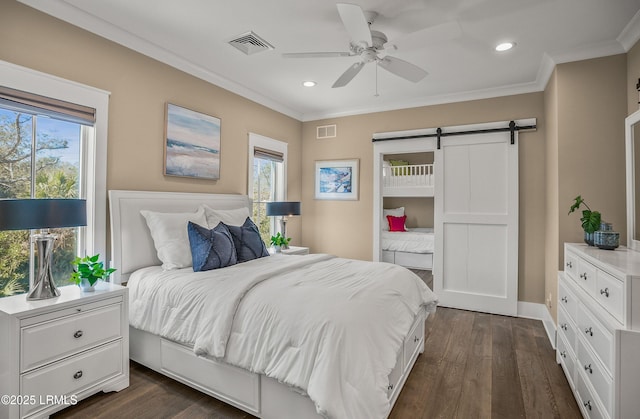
(591, 221)
(578, 201)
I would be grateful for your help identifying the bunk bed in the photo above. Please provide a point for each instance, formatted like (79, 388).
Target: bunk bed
(411, 248)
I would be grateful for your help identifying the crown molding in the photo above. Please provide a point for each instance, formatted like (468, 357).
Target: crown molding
(631, 33)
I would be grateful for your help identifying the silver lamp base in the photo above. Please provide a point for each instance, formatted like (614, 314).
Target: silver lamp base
(43, 286)
(283, 226)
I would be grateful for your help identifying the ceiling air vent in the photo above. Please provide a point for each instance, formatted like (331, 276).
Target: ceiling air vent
(250, 43)
(326, 131)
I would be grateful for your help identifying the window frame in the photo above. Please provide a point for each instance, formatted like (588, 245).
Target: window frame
(95, 156)
(260, 141)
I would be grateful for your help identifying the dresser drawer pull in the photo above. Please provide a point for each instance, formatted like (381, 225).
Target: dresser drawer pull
(565, 299)
(587, 404)
(588, 368)
(77, 375)
(589, 331)
(564, 327)
(390, 387)
(569, 265)
(583, 276)
(563, 354)
(605, 292)
(78, 334)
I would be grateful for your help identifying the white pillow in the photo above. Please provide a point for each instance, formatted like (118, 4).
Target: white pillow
(394, 212)
(232, 217)
(170, 237)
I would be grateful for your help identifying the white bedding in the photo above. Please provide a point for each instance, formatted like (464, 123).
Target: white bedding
(328, 326)
(416, 240)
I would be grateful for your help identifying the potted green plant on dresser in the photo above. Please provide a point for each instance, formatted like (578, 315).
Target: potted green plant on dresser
(590, 219)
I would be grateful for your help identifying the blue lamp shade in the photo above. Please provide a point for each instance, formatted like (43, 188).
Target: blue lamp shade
(26, 214)
(283, 208)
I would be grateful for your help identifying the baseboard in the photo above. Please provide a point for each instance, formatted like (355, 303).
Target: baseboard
(539, 312)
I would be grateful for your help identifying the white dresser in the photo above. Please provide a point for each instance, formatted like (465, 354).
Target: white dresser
(598, 340)
(56, 352)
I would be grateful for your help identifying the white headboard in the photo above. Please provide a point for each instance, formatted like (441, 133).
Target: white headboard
(131, 244)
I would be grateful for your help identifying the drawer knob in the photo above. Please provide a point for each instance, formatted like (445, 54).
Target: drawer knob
(563, 354)
(587, 404)
(588, 368)
(77, 375)
(564, 327)
(583, 276)
(565, 299)
(415, 339)
(605, 292)
(569, 265)
(390, 387)
(78, 334)
(588, 331)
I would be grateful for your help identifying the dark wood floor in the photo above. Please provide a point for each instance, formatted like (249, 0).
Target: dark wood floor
(475, 365)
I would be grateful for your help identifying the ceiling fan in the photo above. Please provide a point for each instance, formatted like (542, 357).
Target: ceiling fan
(367, 44)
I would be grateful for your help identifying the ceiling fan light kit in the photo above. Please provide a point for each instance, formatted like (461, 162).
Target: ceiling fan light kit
(367, 44)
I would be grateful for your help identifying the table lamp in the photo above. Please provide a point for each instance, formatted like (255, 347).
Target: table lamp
(284, 209)
(43, 214)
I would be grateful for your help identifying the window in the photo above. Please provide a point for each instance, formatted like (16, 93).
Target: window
(267, 180)
(50, 148)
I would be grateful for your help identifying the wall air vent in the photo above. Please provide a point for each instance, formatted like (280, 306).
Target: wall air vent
(326, 131)
(250, 43)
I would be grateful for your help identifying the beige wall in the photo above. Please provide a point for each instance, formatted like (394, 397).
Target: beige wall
(140, 87)
(345, 227)
(551, 182)
(585, 106)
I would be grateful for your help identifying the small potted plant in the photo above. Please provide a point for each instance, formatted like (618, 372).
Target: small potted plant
(590, 219)
(87, 271)
(280, 242)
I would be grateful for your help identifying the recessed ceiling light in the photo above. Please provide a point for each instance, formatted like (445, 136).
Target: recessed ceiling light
(309, 83)
(505, 46)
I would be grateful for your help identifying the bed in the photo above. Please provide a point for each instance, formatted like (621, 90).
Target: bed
(409, 180)
(279, 352)
(412, 248)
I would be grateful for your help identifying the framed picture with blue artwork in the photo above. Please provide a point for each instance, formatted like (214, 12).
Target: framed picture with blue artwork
(337, 179)
(192, 144)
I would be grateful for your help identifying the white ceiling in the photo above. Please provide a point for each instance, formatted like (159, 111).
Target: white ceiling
(192, 35)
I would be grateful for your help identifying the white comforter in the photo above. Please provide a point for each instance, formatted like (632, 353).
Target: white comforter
(416, 240)
(331, 327)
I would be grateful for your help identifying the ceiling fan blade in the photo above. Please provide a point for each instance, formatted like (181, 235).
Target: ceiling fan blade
(316, 54)
(355, 22)
(402, 68)
(348, 75)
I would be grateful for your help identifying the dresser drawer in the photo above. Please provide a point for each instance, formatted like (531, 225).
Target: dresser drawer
(609, 292)
(412, 342)
(567, 299)
(591, 406)
(571, 264)
(73, 375)
(52, 340)
(566, 328)
(586, 276)
(597, 376)
(596, 335)
(567, 360)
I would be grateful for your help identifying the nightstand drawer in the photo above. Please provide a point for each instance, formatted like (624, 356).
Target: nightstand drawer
(62, 337)
(72, 376)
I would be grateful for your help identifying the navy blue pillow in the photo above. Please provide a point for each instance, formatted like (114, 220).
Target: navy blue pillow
(249, 244)
(211, 249)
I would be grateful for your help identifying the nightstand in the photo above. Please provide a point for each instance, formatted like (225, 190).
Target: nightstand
(295, 250)
(58, 351)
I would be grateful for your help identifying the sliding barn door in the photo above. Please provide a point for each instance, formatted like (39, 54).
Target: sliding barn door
(476, 223)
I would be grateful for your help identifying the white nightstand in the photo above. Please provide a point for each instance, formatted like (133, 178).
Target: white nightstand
(295, 250)
(55, 352)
